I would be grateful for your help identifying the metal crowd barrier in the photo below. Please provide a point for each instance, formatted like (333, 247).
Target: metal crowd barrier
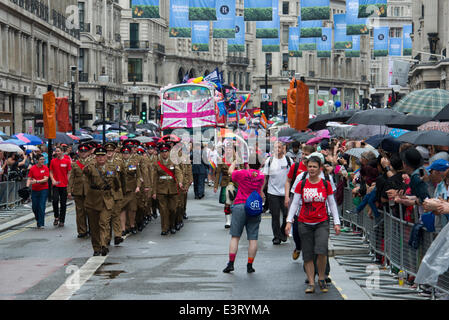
(388, 237)
(9, 197)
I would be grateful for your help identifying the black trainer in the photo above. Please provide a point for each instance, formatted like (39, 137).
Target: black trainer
(118, 240)
(229, 267)
(249, 268)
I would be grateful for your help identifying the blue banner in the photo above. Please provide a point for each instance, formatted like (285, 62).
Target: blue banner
(408, 44)
(200, 36)
(271, 45)
(269, 29)
(395, 47)
(372, 8)
(238, 43)
(307, 44)
(180, 26)
(224, 27)
(355, 51)
(293, 43)
(354, 24)
(381, 37)
(202, 10)
(324, 44)
(310, 29)
(341, 40)
(315, 10)
(258, 10)
(145, 9)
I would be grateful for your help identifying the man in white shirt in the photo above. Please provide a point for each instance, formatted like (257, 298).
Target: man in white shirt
(275, 171)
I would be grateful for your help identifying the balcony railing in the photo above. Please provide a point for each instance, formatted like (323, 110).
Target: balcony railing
(137, 45)
(84, 77)
(241, 61)
(138, 77)
(159, 48)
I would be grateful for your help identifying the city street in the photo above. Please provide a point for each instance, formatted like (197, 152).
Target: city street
(35, 264)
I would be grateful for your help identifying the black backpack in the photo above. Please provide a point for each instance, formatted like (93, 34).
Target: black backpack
(304, 178)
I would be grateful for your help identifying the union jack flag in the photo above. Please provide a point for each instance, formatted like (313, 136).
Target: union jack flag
(196, 114)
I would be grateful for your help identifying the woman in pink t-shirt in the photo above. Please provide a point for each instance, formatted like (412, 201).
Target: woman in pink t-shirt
(248, 181)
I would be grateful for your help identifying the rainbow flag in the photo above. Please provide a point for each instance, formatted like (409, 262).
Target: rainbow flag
(232, 115)
(212, 164)
(257, 112)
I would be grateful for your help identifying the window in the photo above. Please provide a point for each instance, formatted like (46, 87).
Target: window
(396, 12)
(285, 7)
(135, 70)
(268, 62)
(134, 35)
(285, 33)
(81, 14)
(285, 61)
(44, 62)
(38, 59)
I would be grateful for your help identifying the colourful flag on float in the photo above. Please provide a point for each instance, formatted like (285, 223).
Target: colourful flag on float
(197, 114)
(145, 9)
(256, 112)
(232, 116)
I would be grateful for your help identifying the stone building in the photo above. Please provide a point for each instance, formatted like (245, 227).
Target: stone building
(38, 44)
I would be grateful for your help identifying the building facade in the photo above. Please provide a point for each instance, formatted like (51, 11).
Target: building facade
(430, 67)
(38, 45)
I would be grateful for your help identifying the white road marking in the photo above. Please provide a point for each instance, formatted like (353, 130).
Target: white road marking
(76, 281)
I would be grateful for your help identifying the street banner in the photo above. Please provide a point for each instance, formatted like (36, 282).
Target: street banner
(354, 24)
(293, 43)
(179, 26)
(395, 47)
(49, 106)
(315, 10)
(307, 44)
(324, 44)
(355, 51)
(381, 37)
(269, 29)
(341, 40)
(145, 9)
(196, 114)
(372, 8)
(202, 10)
(398, 73)
(200, 36)
(271, 45)
(258, 10)
(408, 44)
(310, 29)
(238, 43)
(224, 27)
(62, 114)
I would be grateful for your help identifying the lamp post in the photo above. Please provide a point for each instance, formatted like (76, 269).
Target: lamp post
(134, 91)
(104, 80)
(73, 73)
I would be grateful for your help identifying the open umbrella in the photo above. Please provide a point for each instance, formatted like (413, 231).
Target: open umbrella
(435, 125)
(433, 137)
(62, 137)
(9, 147)
(385, 142)
(407, 121)
(357, 152)
(28, 139)
(320, 122)
(302, 137)
(443, 115)
(144, 139)
(17, 142)
(427, 102)
(366, 131)
(73, 137)
(373, 116)
(287, 132)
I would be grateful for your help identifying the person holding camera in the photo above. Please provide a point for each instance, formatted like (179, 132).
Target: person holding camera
(38, 179)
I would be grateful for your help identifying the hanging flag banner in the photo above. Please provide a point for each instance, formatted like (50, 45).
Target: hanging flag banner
(354, 24)
(324, 44)
(398, 73)
(258, 10)
(315, 10)
(372, 8)
(307, 44)
(179, 26)
(202, 10)
(381, 37)
(293, 43)
(271, 45)
(238, 43)
(395, 47)
(200, 36)
(355, 51)
(408, 44)
(145, 9)
(224, 27)
(269, 29)
(341, 40)
(311, 29)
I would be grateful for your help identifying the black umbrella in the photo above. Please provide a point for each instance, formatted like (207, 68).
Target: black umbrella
(443, 115)
(374, 116)
(61, 137)
(319, 123)
(385, 142)
(302, 137)
(287, 132)
(433, 137)
(408, 122)
(100, 122)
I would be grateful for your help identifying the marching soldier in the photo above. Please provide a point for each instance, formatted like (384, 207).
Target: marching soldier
(187, 180)
(131, 183)
(153, 158)
(102, 180)
(167, 181)
(77, 189)
(142, 196)
(114, 220)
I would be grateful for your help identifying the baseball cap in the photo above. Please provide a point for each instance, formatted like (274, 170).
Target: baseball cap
(439, 165)
(424, 152)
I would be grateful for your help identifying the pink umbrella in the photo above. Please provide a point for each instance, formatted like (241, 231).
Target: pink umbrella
(73, 137)
(123, 138)
(322, 134)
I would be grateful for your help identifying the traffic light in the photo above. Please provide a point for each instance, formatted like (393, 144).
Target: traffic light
(143, 114)
(284, 107)
(270, 109)
(264, 106)
(150, 114)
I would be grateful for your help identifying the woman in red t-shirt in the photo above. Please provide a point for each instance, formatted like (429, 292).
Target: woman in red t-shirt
(313, 198)
(38, 179)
